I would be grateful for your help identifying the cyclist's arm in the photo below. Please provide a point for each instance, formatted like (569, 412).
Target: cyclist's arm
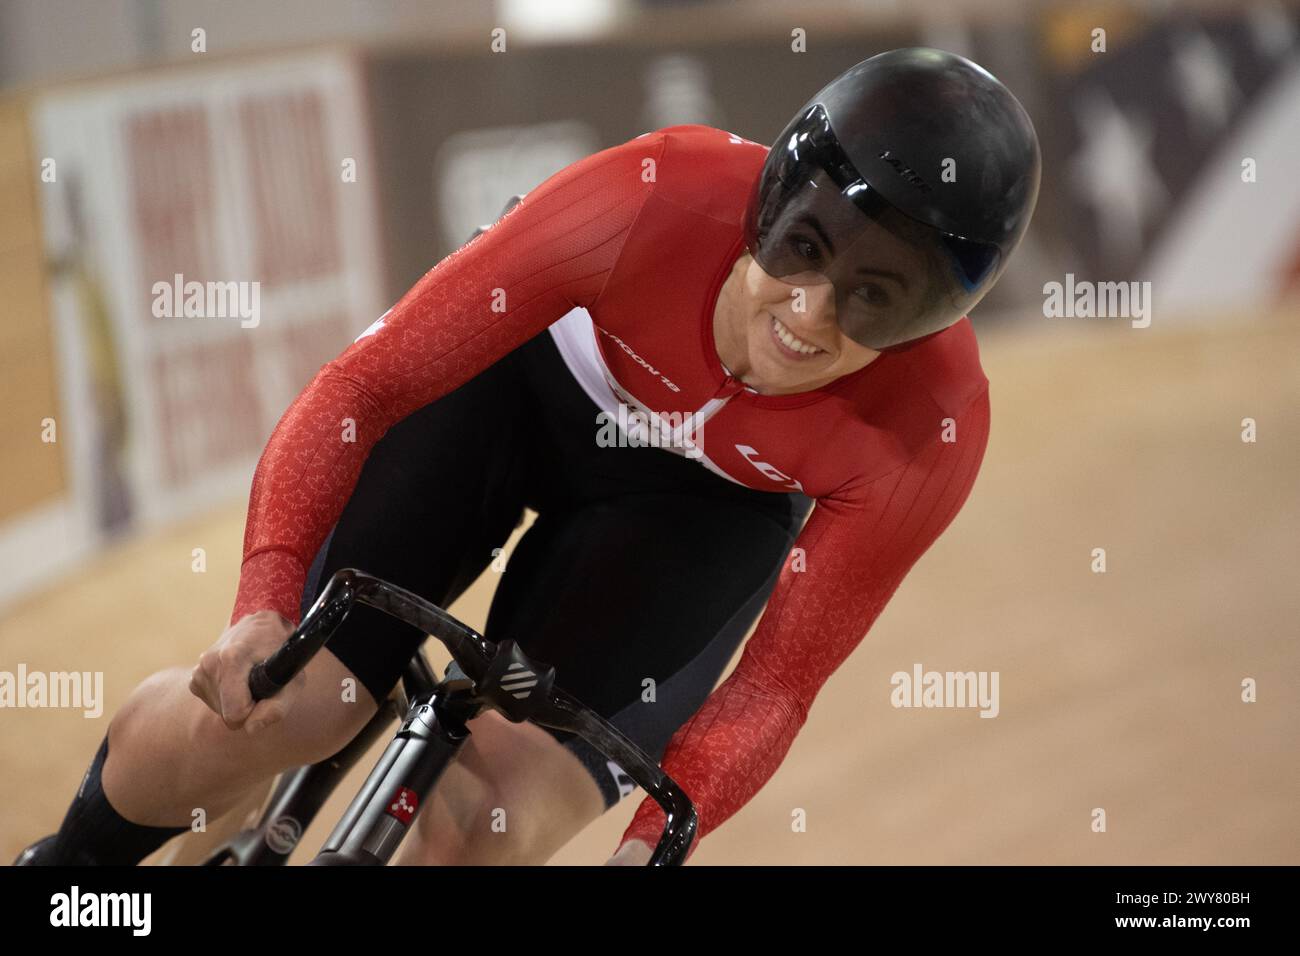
(857, 555)
(552, 252)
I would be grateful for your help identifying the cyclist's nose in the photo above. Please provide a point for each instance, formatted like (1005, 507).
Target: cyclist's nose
(814, 305)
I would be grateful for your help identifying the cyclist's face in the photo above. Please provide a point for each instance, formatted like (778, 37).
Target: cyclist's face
(871, 273)
(794, 339)
(794, 345)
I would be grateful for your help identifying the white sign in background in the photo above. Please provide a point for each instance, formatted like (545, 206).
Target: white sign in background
(225, 173)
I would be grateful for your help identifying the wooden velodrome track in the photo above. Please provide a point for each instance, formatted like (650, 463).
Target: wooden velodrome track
(1119, 691)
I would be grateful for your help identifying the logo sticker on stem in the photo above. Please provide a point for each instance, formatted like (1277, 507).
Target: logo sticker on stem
(402, 806)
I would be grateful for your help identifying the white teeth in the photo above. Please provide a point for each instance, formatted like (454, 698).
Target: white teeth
(788, 339)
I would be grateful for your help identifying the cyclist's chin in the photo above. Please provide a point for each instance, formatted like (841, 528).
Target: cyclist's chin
(779, 375)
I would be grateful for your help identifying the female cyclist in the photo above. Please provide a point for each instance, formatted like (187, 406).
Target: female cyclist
(789, 328)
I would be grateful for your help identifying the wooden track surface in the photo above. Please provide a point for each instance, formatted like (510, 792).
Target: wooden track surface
(1119, 691)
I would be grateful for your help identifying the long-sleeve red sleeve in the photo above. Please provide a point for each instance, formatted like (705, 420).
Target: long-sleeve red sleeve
(553, 251)
(857, 554)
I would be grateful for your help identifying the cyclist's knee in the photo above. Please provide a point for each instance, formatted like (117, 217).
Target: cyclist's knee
(154, 700)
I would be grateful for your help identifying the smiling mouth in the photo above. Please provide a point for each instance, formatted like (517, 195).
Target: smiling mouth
(791, 343)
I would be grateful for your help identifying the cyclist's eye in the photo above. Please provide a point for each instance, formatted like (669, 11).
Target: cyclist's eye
(873, 295)
(805, 249)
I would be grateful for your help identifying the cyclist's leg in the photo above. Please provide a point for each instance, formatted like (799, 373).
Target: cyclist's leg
(591, 600)
(172, 755)
(195, 847)
(659, 586)
(420, 496)
(697, 574)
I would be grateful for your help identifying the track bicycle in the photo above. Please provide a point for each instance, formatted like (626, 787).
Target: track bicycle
(434, 713)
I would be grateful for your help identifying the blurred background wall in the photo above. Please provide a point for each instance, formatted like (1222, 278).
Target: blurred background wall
(329, 152)
(206, 140)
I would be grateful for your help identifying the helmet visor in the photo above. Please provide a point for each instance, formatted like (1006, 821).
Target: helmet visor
(817, 225)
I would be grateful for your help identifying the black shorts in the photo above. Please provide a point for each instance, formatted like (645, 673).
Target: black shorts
(641, 565)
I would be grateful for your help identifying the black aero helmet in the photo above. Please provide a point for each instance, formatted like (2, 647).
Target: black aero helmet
(906, 184)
